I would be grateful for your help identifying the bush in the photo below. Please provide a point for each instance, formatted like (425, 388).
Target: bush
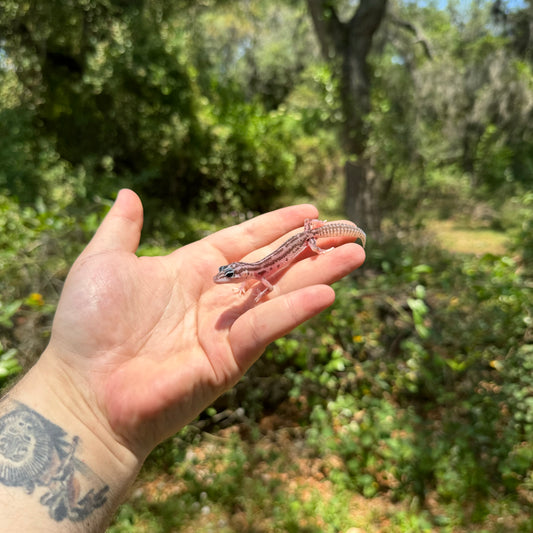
(419, 379)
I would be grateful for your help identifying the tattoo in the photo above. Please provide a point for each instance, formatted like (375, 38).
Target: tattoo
(34, 452)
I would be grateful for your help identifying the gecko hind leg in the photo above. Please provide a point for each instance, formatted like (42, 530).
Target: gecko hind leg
(314, 246)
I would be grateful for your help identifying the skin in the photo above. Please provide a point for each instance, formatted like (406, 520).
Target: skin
(141, 345)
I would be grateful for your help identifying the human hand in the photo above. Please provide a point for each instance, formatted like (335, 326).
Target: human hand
(148, 342)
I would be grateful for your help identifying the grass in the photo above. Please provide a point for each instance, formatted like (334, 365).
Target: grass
(468, 240)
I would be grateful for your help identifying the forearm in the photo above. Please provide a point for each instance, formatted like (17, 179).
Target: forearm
(59, 471)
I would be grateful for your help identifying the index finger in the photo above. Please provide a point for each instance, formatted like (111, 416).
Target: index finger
(237, 241)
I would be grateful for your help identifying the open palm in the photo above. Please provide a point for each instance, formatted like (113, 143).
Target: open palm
(152, 340)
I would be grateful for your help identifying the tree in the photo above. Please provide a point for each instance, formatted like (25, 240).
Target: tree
(346, 46)
(118, 92)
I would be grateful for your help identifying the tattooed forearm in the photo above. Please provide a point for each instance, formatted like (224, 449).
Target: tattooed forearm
(35, 453)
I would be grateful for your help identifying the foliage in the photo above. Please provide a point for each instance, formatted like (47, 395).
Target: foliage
(416, 385)
(37, 245)
(197, 106)
(223, 489)
(411, 379)
(9, 365)
(518, 215)
(233, 484)
(465, 110)
(121, 95)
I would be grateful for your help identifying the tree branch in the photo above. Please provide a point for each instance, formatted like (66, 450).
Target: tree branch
(368, 16)
(411, 28)
(329, 29)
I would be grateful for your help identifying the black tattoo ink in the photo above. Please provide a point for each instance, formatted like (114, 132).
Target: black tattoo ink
(34, 452)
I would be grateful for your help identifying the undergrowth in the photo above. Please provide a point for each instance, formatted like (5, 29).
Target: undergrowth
(414, 387)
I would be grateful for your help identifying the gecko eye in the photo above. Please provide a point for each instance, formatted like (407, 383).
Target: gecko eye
(229, 273)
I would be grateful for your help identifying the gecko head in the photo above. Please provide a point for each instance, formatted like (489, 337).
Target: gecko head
(225, 274)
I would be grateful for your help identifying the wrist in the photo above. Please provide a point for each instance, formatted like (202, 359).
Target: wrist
(57, 457)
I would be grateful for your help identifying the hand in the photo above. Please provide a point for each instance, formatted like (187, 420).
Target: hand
(148, 342)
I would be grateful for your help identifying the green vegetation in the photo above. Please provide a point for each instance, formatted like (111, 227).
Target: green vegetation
(408, 405)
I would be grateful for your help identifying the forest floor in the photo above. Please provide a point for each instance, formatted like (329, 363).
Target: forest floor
(227, 484)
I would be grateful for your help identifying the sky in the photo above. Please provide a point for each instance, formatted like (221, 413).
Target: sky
(511, 4)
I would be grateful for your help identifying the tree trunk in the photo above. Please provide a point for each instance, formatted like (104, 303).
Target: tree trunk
(346, 45)
(361, 195)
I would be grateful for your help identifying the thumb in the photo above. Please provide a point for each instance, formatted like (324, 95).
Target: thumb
(121, 228)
